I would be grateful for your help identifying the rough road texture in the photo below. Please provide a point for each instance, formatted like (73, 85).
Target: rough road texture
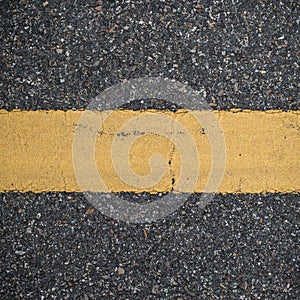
(61, 54)
(56, 246)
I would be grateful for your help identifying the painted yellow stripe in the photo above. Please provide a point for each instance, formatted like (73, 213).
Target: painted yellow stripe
(262, 151)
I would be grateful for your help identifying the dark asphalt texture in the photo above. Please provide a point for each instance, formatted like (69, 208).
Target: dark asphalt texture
(55, 246)
(60, 55)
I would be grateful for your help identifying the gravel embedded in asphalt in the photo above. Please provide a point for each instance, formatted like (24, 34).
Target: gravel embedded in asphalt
(61, 54)
(56, 246)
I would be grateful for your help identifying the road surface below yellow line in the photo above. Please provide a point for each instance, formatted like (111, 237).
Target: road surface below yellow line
(262, 151)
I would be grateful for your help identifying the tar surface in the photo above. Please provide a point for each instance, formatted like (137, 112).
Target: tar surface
(60, 55)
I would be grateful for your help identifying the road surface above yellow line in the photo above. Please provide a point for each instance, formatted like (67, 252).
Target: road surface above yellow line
(262, 151)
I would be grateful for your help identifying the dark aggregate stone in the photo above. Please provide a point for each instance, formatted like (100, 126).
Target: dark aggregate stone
(55, 246)
(61, 54)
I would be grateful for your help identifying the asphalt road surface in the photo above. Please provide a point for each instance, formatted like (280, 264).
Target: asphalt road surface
(61, 54)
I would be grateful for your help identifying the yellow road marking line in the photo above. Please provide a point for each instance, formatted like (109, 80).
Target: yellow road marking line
(262, 151)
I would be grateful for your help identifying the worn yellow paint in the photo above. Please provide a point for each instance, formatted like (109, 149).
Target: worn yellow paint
(262, 151)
